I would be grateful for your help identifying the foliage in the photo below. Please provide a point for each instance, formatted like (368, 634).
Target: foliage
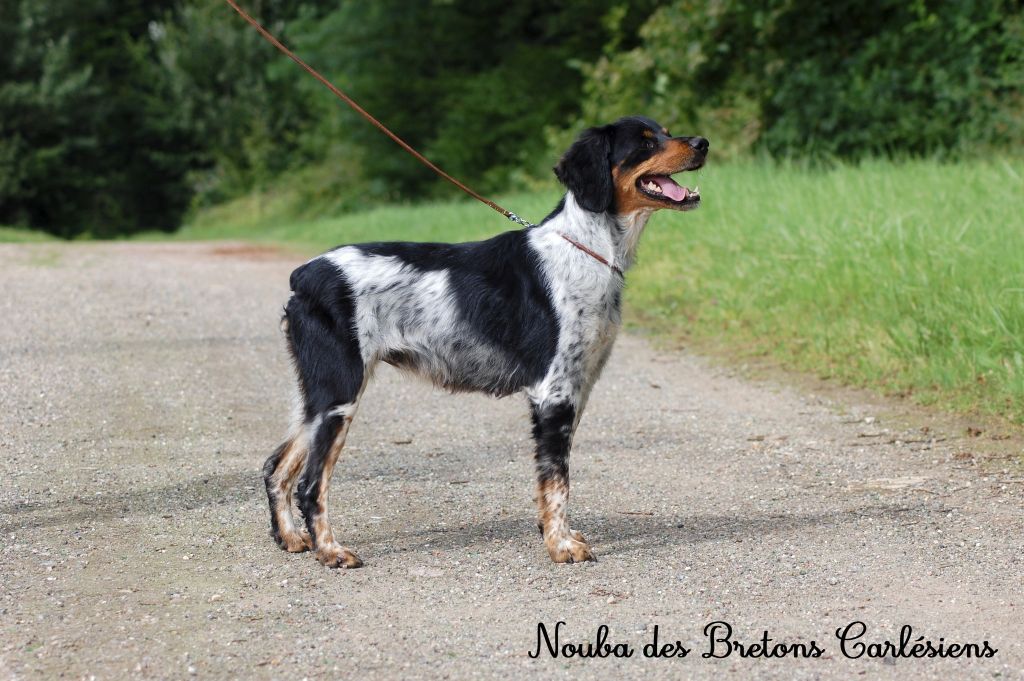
(246, 104)
(845, 78)
(118, 116)
(89, 141)
(472, 84)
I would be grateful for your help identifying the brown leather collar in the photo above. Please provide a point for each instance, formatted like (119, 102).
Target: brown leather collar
(596, 256)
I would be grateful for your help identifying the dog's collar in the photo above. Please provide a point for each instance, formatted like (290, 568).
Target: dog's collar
(593, 254)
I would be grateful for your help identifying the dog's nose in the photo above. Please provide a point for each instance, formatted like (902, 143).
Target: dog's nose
(699, 143)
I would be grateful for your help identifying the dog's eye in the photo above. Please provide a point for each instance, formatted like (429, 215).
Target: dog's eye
(648, 144)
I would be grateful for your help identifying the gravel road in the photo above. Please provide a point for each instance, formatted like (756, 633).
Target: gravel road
(143, 385)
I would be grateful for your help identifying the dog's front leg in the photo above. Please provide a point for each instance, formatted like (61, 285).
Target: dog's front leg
(553, 426)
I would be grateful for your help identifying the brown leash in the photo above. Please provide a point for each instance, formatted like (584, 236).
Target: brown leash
(398, 140)
(366, 114)
(593, 254)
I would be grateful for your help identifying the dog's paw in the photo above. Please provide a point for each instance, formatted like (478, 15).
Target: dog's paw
(337, 556)
(295, 542)
(300, 541)
(572, 548)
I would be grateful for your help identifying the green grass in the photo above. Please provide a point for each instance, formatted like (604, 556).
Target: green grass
(17, 235)
(441, 221)
(908, 277)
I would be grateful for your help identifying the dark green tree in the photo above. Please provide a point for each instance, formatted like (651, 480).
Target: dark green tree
(248, 106)
(473, 84)
(89, 136)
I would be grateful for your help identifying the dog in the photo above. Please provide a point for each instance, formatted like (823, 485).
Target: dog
(534, 310)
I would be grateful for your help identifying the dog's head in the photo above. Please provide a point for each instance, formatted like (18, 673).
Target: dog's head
(627, 166)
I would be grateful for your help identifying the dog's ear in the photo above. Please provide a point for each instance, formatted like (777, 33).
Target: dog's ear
(585, 170)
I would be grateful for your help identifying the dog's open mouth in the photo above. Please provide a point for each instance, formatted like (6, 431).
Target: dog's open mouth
(664, 188)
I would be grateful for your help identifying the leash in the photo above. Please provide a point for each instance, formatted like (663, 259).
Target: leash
(593, 254)
(269, 37)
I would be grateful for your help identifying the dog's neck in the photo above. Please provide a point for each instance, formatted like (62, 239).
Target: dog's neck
(629, 228)
(615, 237)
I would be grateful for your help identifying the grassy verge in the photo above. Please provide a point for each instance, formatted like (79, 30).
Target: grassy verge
(905, 277)
(442, 221)
(17, 235)
(908, 277)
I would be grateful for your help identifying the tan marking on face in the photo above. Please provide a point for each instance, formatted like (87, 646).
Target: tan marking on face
(677, 156)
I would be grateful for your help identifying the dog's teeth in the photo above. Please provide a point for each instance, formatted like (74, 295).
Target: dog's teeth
(696, 190)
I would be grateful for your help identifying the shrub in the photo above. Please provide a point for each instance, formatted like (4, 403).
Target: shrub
(846, 78)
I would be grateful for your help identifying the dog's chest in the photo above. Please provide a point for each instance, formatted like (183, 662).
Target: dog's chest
(589, 315)
(584, 293)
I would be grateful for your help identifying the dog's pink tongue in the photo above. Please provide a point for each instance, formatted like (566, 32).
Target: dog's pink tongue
(669, 187)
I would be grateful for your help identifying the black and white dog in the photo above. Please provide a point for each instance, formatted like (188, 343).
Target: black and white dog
(534, 310)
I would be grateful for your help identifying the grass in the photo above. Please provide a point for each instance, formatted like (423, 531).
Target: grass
(908, 277)
(441, 221)
(15, 235)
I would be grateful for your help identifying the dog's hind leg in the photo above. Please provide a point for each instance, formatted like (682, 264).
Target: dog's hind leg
(554, 423)
(325, 349)
(332, 375)
(279, 474)
(328, 437)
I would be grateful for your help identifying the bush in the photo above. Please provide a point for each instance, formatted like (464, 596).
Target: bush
(848, 79)
(89, 141)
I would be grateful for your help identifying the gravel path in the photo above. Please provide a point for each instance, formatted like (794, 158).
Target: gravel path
(143, 386)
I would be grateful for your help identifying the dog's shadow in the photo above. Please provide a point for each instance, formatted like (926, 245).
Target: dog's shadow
(617, 534)
(215, 489)
(611, 533)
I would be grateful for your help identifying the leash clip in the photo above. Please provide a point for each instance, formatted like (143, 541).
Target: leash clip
(518, 220)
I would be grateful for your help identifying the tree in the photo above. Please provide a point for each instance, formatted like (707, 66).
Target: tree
(845, 78)
(89, 139)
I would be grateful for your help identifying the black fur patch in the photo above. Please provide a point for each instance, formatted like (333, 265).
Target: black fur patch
(501, 294)
(552, 431)
(322, 337)
(585, 169)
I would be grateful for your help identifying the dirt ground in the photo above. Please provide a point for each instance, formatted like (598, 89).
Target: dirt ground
(142, 386)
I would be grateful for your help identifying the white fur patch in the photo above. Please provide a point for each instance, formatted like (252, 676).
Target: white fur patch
(584, 293)
(343, 410)
(403, 311)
